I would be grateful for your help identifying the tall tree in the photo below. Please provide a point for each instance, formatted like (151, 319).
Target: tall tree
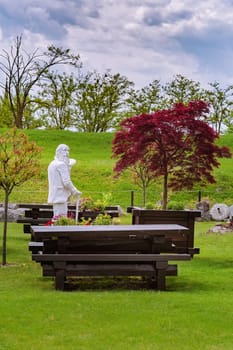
(56, 100)
(142, 177)
(99, 98)
(221, 102)
(145, 100)
(6, 118)
(181, 90)
(174, 144)
(18, 163)
(23, 70)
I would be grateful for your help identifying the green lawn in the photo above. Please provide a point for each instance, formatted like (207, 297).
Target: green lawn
(194, 313)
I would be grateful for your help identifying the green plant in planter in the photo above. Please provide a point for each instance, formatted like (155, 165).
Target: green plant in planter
(64, 221)
(86, 203)
(89, 204)
(101, 204)
(116, 221)
(85, 222)
(150, 205)
(103, 219)
(174, 205)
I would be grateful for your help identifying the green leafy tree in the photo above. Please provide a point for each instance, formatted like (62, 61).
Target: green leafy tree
(221, 102)
(18, 163)
(6, 118)
(146, 100)
(23, 70)
(31, 118)
(142, 177)
(56, 100)
(181, 90)
(98, 100)
(156, 96)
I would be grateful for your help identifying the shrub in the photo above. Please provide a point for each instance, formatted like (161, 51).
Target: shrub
(89, 203)
(86, 203)
(103, 219)
(150, 205)
(85, 222)
(64, 221)
(175, 205)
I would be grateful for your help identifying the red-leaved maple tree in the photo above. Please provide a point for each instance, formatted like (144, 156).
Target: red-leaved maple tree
(176, 144)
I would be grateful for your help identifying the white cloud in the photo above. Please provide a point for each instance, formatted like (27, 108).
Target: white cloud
(153, 39)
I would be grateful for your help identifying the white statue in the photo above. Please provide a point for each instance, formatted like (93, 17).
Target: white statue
(60, 184)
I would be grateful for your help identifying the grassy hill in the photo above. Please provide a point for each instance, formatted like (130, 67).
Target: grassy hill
(93, 173)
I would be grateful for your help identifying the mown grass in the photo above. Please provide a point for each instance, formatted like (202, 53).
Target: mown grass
(194, 313)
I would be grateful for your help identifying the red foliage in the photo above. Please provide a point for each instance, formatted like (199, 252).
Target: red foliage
(176, 143)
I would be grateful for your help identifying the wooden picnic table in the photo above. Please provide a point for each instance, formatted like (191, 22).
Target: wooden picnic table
(112, 250)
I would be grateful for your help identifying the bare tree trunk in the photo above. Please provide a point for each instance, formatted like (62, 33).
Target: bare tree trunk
(165, 191)
(144, 196)
(5, 228)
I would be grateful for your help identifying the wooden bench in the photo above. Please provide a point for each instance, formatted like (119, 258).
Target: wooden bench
(64, 265)
(184, 244)
(40, 214)
(112, 250)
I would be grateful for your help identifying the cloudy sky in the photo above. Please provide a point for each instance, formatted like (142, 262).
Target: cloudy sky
(143, 40)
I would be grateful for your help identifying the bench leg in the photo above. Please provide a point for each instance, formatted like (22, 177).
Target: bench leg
(161, 279)
(60, 275)
(60, 280)
(161, 268)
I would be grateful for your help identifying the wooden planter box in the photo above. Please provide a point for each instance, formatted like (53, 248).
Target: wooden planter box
(40, 214)
(86, 214)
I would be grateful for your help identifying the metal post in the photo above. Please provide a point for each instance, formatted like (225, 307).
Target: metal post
(132, 198)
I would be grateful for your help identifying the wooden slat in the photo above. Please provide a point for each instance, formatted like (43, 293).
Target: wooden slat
(95, 231)
(32, 221)
(83, 269)
(110, 257)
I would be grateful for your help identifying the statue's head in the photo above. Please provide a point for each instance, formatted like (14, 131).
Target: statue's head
(62, 153)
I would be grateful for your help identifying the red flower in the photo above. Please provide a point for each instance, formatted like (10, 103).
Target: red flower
(49, 223)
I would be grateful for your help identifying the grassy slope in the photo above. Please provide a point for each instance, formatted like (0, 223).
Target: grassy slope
(93, 173)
